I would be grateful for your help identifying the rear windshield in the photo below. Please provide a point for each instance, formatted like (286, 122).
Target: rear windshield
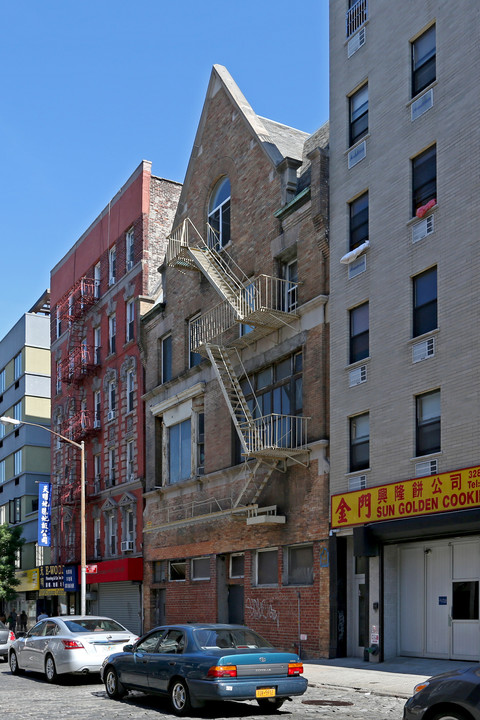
(230, 638)
(93, 625)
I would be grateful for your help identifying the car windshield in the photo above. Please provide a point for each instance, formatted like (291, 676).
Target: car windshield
(94, 625)
(208, 638)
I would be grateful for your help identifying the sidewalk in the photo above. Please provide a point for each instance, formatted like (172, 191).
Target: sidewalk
(395, 677)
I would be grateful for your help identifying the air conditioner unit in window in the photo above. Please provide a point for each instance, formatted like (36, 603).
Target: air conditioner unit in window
(423, 350)
(127, 546)
(111, 415)
(423, 228)
(359, 482)
(356, 42)
(96, 424)
(357, 376)
(426, 467)
(129, 264)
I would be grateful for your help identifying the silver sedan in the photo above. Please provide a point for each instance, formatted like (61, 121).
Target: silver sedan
(69, 644)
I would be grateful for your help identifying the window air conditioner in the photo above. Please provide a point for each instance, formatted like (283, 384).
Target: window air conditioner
(127, 546)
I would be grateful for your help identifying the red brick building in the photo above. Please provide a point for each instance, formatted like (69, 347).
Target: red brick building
(236, 504)
(97, 387)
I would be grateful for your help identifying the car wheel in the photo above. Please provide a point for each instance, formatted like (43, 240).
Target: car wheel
(450, 715)
(113, 686)
(50, 669)
(179, 697)
(270, 705)
(14, 669)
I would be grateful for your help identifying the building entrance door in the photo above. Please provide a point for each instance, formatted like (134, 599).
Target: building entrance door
(439, 599)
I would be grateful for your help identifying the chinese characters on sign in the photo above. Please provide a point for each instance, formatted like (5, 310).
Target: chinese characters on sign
(44, 513)
(422, 496)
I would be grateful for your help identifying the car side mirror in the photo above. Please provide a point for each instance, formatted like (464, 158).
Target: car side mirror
(128, 648)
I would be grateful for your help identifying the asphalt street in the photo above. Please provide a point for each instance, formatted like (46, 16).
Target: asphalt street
(332, 693)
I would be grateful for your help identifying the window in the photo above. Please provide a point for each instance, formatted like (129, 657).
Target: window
(180, 451)
(172, 642)
(237, 565)
(112, 399)
(290, 275)
(111, 532)
(359, 333)
(97, 467)
(17, 411)
(97, 543)
(465, 600)
(358, 221)
(423, 61)
(130, 320)
(201, 568)
(425, 302)
(97, 408)
(2, 430)
(111, 466)
(358, 114)
(17, 363)
(112, 334)
(166, 359)
(96, 280)
(129, 524)
(219, 215)
(130, 465)
(428, 423)
(130, 390)
(177, 570)
(267, 567)
(356, 15)
(194, 357)
(300, 565)
(200, 443)
(158, 571)
(424, 178)
(15, 511)
(112, 265)
(2, 471)
(17, 462)
(97, 341)
(58, 322)
(2, 380)
(359, 442)
(58, 376)
(130, 248)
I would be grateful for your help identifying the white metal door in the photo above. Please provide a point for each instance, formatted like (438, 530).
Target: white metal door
(465, 623)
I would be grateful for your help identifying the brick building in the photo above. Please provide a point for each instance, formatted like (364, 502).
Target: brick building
(97, 387)
(236, 503)
(405, 261)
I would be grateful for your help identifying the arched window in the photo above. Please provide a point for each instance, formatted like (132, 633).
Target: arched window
(219, 215)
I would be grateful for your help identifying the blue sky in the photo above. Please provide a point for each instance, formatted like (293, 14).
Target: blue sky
(91, 88)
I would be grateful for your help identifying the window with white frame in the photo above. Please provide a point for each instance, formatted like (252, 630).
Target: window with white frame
(96, 280)
(219, 215)
(128, 523)
(58, 322)
(97, 470)
(130, 461)
(17, 462)
(17, 366)
(266, 567)
(111, 532)
(17, 411)
(111, 466)
(130, 320)
(359, 333)
(194, 357)
(97, 409)
(112, 399)
(97, 342)
(358, 114)
(428, 423)
(358, 230)
(359, 442)
(300, 565)
(130, 390)
(130, 248)
(177, 570)
(112, 265)
(97, 542)
(290, 289)
(423, 60)
(200, 470)
(237, 565)
(112, 334)
(180, 451)
(424, 178)
(200, 568)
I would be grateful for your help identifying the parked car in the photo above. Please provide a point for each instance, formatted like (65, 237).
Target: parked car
(453, 695)
(196, 663)
(7, 636)
(68, 644)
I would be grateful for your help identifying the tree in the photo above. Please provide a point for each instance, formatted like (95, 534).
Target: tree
(11, 542)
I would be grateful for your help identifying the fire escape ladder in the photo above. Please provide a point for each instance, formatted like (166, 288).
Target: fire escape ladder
(257, 486)
(218, 273)
(221, 360)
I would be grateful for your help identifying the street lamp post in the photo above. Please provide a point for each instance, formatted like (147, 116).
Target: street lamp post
(83, 549)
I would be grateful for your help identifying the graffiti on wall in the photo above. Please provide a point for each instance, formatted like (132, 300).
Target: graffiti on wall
(261, 610)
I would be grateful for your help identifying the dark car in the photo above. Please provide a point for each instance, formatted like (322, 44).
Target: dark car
(196, 663)
(453, 695)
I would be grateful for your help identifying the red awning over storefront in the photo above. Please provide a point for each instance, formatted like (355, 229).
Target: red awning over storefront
(114, 570)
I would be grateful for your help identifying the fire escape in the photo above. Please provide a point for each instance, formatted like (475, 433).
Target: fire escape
(78, 363)
(251, 308)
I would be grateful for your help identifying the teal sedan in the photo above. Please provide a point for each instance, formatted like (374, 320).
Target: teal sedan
(197, 663)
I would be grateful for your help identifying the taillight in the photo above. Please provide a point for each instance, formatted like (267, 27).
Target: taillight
(72, 645)
(218, 671)
(295, 668)
(11, 636)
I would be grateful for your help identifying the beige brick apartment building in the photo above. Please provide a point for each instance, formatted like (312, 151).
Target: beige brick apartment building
(405, 262)
(236, 504)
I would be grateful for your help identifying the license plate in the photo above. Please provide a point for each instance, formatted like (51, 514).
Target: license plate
(265, 692)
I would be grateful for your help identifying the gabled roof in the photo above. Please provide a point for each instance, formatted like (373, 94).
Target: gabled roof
(277, 141)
